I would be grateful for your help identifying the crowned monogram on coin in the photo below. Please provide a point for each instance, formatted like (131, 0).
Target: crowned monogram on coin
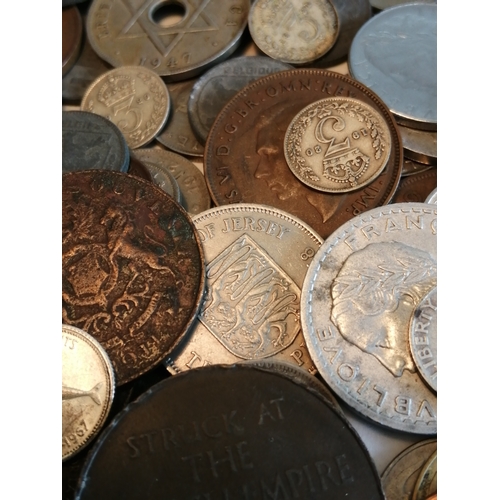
(337, 144)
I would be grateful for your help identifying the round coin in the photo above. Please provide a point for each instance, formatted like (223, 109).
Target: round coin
(177, 40)
(88, 387)
(427, 480)
(135, 99)
(244, 154)
(337, 144)
(138, 169)
(419, 145)
(411, 167)
(433, 197)
(416, 187)
(72, 31)
(296, 31)
(133, 269)
(357, 303)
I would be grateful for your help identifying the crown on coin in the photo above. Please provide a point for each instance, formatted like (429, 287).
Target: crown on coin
(345, 166)
(115, 89)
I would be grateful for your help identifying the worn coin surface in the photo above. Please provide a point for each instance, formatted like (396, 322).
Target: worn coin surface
(357, 303)
(133, 98)
(419, 145)
(244, 154)
(178, 40)
(416, 187)
(395, 54)
(165, 180)
(426, 484)
(256, 259)
(411, 167)
(216, 87)
(88, 386)
(138, 169)
(90, 141)
(229, 432)
(296, 31)
(133, 269)
(72, 33)
(337, 144)
(400, 477)
(423, 338)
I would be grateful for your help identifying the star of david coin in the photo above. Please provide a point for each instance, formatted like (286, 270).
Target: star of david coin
(358, 300)
(135, 99)
(296, 31)
(88, 386)
(256, 259)
(132, 267)
(423, 338)
(177, 40)
(337, 144)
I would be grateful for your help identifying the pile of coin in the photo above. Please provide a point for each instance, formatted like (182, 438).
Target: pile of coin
(249, 252)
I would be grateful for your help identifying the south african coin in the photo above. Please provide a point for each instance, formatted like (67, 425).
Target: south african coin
(88, 386)
(357, 303)
(133, 269)
(149, 33)
(256, 259)
(296, 31)
(337, 144)
(423, 338)
(135, 99)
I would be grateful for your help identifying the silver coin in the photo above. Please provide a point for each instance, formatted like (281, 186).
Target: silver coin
(423, 338)
(419, 145)
(295, 31)
(433, 197)
(90, 141)
(164, 179)
(177, 134)
(177, 40)
(357, 302)
(395, 55)
(215, 88)
(256, 257)
(427, 480)
(386, 4)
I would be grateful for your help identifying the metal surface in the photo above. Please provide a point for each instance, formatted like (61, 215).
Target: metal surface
(337, 144)
(433, 197)
(256, 259)
(427, 480)
(90, 141)
(135, 99)
(395, 54)
(419, 145)
(163, 179)
(296, 31)
(138, 169)
(88, 387)
(133, 269)
(386, 4)
(72, 31)
(357, 302)
(416, 187)
(244, 156)
(177, 40)
(411, 167)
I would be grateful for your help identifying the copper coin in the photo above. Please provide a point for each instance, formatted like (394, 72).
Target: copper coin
(133, 268)
(138, 169)
(72, 30)
(244, 154)
(416, 187)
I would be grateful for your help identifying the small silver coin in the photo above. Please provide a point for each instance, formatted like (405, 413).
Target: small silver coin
(433, 197)
(164, 179)
(395, 55)
(419, 145)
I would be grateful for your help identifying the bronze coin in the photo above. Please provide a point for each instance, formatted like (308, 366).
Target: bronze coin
(133, 267)
(416, 187)
(138, 169)
(72, 31)
(244, 154)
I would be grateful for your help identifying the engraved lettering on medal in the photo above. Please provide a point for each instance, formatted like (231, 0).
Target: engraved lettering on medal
(271, 411)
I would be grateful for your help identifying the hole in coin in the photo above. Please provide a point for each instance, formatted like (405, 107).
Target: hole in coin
(168, 14)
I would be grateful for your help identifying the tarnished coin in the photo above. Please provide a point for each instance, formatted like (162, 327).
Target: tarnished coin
(133, 98)
(256, 259)
(133, 269)
(419, 145)
(337, 144)
(177, 134)
(427, 480)
(386, 4)
(177, 40)
(358, 300)
(229, 432)
(433, 197)
(72, 31)
(416, 187)
(244, 154)
(400, 477)
(411, 167)
(423, 338)
(88, 387)
(90, 141)
(216, 87)
(296, 31)
(165, 180)
(138, 169)
(395, 55)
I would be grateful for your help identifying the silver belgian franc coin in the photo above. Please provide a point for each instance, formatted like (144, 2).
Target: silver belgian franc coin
(358, 299)
(256, 258)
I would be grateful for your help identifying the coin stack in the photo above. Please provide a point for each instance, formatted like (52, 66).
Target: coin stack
(249, 250)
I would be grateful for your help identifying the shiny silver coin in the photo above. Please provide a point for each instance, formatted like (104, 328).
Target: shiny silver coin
(357, 303)
(177, 40)
(217, 86)
(256, 258)
(419, 145)
(423, 338)
(296, 31)
(395, 55)
(433, 197)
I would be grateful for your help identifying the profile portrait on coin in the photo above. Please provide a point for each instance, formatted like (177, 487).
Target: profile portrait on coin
(374, 296)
